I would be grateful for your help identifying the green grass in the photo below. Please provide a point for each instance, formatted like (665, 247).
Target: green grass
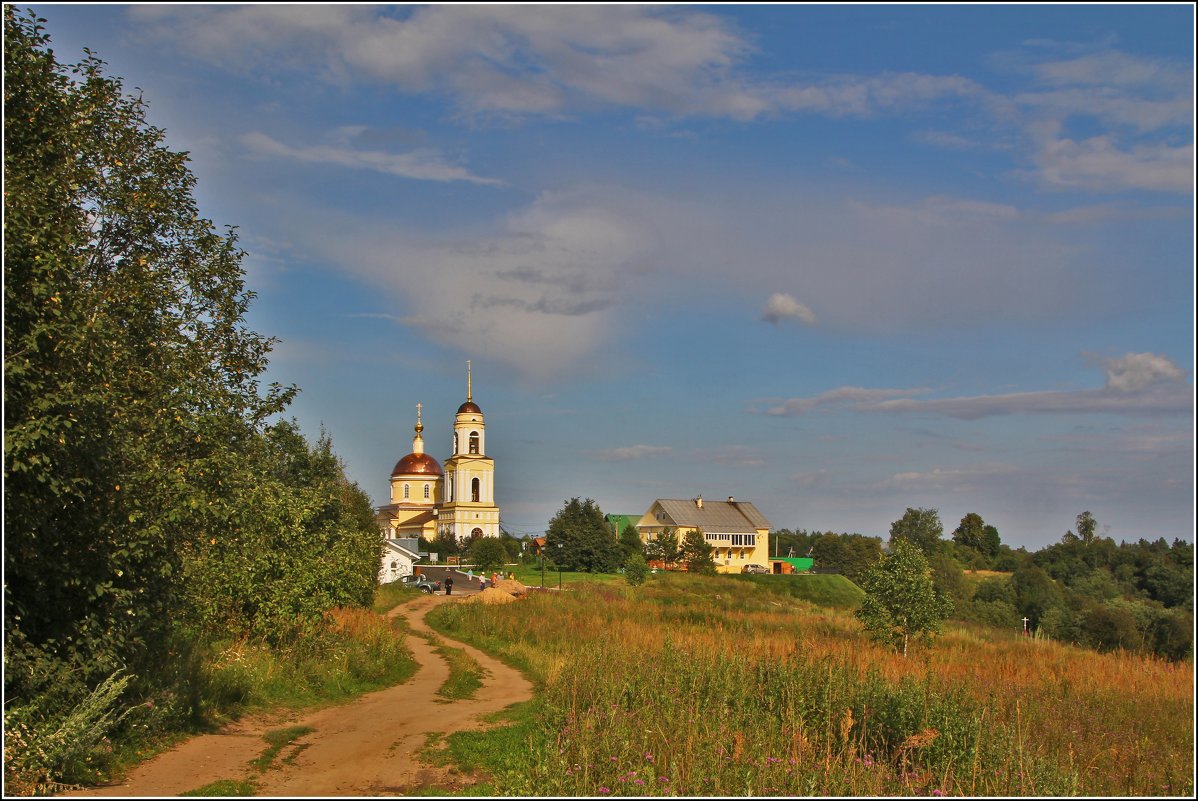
(530, 576)
(465, 674)
(501, 758)
(389, 596)
(278, 740)
(225, 788)
(818, 588)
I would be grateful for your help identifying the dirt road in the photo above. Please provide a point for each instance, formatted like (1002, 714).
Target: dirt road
(366, 747)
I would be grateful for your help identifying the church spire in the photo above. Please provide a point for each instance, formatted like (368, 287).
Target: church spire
(469, 393)
(418, 440)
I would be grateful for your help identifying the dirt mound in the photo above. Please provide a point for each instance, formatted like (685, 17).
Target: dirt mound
(491, 596)
(511, 586)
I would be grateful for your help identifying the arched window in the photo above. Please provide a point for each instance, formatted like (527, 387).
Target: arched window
(474, 442)
(405, 491)
(455, 442)
(478, 532)
(426, 490)
(474, 490)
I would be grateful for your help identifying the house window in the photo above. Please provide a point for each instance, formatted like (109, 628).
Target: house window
(474, 442)
(474, 490)
(426, 490)
(405, 491)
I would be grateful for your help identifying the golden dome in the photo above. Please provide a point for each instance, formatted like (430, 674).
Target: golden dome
(418, 464)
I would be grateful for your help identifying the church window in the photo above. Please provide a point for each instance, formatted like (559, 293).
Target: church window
(405, 491)
(455, 442)
(474, 490)
(478, 532)
(426, 490)
(474, 442)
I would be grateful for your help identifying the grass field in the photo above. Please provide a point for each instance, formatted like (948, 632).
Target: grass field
(818, 588)
(695, 685)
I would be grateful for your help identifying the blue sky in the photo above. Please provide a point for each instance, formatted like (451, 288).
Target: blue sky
(835, 260)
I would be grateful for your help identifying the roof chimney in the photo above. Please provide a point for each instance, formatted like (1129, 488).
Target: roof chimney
(699, 501)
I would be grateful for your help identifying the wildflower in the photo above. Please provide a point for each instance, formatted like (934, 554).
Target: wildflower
(613, 759)
(649, 758)
(663, 779)
(639, 781)
(605, 790)
(937, 791)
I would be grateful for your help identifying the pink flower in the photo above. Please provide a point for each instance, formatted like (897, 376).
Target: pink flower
(604, 789)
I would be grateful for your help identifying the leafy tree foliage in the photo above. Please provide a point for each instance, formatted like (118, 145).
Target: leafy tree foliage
(921, 527)
(697, 552)
(130, 378)
(636, 569)
(630, 542)
(578, 538)
(1036, 593)
(974, 533)
(664, 548)
(850, 554)
(488, 553)
(149, 503)
(901, 600)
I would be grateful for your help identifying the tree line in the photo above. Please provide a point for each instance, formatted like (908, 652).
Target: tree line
(1086, 589)
(155, 498)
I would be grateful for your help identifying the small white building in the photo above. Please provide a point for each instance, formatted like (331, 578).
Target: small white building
(399, 559)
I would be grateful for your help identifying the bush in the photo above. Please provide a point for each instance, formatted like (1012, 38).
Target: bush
(636, 569)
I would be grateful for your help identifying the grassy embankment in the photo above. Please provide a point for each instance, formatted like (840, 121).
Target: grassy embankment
(697, 685)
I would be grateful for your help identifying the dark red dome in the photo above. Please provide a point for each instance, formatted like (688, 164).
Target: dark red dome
(418, 464)
(469, 407)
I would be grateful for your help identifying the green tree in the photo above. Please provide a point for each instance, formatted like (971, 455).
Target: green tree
(488, 554)
(901, 601)
(636, 569)
(974, 533)
(663, 547)
(131, 381)
(630, 542)
(1086, 526)
(921, 527)
(697, 552)
(579, 538)
(1036, 592)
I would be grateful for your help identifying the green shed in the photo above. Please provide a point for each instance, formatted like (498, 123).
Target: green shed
(791, 564)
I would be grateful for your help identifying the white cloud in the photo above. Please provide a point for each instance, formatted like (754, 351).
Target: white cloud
(1137, 371)
(545, 60)
(851, 396)
(632, 452)
(1101, 163)
(1137, 384)
(782, 306)
(422, 165)
(537, 293)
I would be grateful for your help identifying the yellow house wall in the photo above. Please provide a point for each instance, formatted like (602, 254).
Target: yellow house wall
(757, 555)
(416, 483)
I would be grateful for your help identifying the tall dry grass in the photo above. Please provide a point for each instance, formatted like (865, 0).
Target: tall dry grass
(701, 686)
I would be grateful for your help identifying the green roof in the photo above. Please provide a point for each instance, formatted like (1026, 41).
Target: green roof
(801, 562)
(621, 522)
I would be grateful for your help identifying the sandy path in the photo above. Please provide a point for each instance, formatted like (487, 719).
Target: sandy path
(365, 747)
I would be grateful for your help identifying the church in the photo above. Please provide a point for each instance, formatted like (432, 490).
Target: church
(428, 500)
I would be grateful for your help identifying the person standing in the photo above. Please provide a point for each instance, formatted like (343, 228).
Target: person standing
(448, 584)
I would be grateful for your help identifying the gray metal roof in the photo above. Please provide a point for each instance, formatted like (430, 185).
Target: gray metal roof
(715, 516)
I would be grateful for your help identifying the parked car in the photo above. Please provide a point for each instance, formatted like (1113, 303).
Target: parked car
(755, 569)
(422, 583)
